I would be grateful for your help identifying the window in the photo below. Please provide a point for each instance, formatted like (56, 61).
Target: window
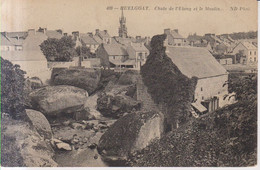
(114, 57)
(202, 97)
(250, 52)
(255, 59)
(255, 52)
(201, 89)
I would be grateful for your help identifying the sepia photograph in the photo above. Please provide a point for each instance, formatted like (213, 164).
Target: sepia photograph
(129, 83)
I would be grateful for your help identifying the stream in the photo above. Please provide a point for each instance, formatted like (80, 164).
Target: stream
(82, 138)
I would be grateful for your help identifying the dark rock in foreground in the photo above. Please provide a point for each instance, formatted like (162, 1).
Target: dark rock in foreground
(130, 133)
(112, 105)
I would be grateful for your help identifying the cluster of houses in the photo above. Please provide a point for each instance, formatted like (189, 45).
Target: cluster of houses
(226, 50)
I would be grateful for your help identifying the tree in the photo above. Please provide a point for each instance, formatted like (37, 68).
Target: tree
(12, 89)
(84, 52)
(58, 49)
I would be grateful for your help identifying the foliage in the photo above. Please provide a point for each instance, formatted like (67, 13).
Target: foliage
(12, 89)
(128, 78)
(166, 84)
(84, 52)
(245, 86)
(87, 79)
(106, 77)
(244, 35)
(58, 49)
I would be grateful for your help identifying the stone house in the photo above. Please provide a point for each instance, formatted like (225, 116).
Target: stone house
(174, 38)
(89, 41)
(112, 56)
(102, 37)
(248, 51)
(210, 89)
(137, 52)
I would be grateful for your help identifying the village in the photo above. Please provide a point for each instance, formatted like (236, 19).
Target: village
(98, 99)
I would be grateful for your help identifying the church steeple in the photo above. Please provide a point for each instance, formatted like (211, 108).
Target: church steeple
(122, 31)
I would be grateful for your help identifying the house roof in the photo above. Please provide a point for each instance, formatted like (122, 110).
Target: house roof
(124, 41)
(175, 34)
(17, 34)
(98, 39)
(139, 47)
(104, 34)
(6, 41)
(53, 34)
(115, 49)
(195, 62)
(248, 45)
(34, 55)
(88, 39)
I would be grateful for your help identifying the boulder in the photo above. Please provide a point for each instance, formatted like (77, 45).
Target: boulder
(54, 100)
(115, 105)
(39, 121)
(33, 83)
(63, 146)
(21, 145)
(78, 126)
(130, 133)
(87, 79)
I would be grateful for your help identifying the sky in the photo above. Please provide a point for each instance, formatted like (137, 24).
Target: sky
(88, 15)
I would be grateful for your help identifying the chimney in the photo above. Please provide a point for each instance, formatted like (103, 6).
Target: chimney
(176, 30)
(31, 31)
(75, 33)
(138, 37)
(4, 33)
(59, 31)
(90, 34)
(42, 30)
(65, 34)
(167, 31)
(97, 31)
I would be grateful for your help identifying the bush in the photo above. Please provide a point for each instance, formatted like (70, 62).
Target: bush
(128, 78)
(166, 84)
(12, 89)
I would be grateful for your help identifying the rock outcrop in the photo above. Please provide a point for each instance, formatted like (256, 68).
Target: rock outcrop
(21, 145)
(39, 121)
(130, 133)
(87, 79)
(115, 105)
(54, 100)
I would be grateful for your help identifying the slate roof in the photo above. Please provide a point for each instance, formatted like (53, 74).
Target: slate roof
(30, 55)
(87, 39)
(174, 34)
(195, 62)
(15, 34)
(104, 34)
(5, 41)
(139, 47)
(115, 49)
(249, 45)
(53, 34)
(98, 39)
